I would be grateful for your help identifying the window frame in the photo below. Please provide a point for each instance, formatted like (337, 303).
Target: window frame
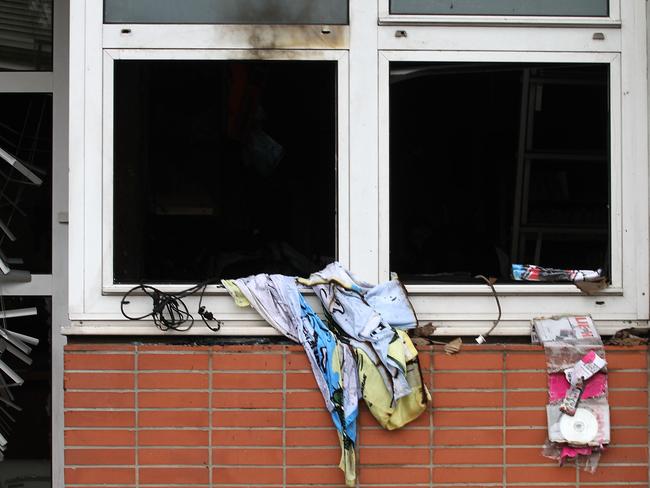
(30, 82)
(613, 60)
(54, 284)
(93, 310)
(366, 46)
(469, 294)
(456, 306)
(341, 212)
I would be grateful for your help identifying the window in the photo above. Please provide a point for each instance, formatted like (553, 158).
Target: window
(229, 178)
(501, 7)
(26, 209)
(226, 11)
(435, 144)
(33, 129)
(28, 457)
(26, 269)
(200, 188)
(497, 163)
(501, 12)
(26, 35)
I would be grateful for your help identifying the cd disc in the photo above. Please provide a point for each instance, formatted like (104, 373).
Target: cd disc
(582, 428)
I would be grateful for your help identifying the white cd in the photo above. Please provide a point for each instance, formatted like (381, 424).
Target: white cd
(582, 428)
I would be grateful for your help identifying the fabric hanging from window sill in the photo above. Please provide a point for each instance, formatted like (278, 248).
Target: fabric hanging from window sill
(356, 353)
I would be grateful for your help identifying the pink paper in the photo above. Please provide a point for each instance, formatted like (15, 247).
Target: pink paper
(589, 357)
(572, 452)
(558, 386)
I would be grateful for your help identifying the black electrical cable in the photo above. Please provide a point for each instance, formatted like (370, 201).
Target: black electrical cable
(169, 311)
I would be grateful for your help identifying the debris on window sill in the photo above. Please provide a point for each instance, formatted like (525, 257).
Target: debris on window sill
(427, 330)
(423, 335)
(531, 272)
(453, 347)
(634, 336)
(592, 287)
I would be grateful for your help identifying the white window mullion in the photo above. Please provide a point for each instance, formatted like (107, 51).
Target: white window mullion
(634, 136)
(364, 197)
(90, 212)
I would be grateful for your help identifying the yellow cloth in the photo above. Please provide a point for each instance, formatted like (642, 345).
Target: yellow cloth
(380, 401)
(235, 293)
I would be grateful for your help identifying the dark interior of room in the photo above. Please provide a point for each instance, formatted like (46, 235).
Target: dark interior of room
(466, 198)
(28, 455)
(223, 169)
(26, 133)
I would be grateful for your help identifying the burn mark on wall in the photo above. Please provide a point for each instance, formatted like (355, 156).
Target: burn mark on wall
(266, 37)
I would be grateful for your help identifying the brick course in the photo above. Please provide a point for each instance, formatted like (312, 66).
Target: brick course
(231, 416)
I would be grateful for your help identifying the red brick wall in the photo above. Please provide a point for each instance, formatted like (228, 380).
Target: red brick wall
(226, 416)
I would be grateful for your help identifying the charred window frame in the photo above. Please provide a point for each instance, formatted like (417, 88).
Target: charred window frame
(95, 48)
(104, 295)
(237, 175)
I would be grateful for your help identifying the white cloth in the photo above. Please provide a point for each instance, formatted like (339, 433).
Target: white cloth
(345, 298)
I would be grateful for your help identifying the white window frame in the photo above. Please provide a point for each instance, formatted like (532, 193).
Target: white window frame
(341, 171)
(94, 298)
(463, 308)
(363, 50)
(453, 303)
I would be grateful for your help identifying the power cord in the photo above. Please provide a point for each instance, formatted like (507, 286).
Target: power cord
(169, 311)
(481, 338)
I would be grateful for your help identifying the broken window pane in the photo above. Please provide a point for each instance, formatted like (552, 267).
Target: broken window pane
(26, 209)
(223, 169)
(25, 35)
(226, 11)
(582, 8)
(495, 163)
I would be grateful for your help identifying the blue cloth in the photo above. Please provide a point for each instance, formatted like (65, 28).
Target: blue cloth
(323, 343)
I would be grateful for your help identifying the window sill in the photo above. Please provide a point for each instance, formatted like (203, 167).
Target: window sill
(438, 289)
(509, 290)
(465, 328)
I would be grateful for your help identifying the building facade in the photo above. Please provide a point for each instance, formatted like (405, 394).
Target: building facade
(435, 141)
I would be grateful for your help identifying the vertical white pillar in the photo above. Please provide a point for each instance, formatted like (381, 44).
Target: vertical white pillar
(364, 169)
